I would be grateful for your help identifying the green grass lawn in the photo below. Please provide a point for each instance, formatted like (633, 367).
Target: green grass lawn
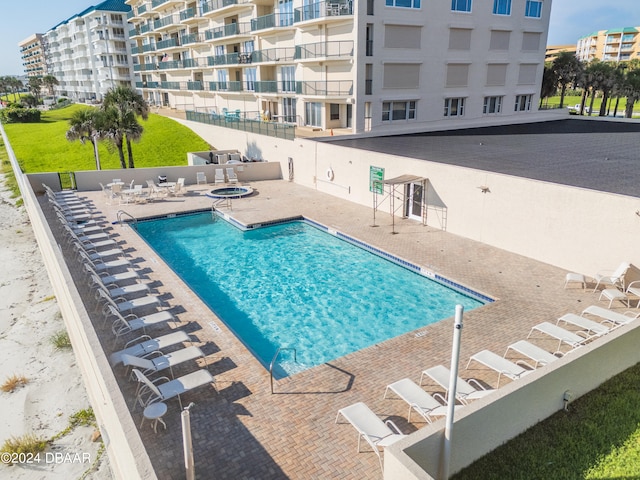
(598, 438)
(42, 147)
(571, 100)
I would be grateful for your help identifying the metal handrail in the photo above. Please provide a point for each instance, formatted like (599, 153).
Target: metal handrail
(121, 213)
(273, 361)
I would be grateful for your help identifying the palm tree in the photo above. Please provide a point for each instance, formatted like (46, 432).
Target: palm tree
(549, 83)
(34, 85)
(567, 68)
(49, 81)
(87, 124)
(15, 86)
(631, 88)
(123, 105)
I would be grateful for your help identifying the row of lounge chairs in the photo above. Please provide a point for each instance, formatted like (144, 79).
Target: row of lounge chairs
(593, 322)
(122, 296)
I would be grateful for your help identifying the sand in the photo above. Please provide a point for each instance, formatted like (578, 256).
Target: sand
(29, 317)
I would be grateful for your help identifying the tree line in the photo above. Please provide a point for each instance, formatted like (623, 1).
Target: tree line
(610, 79)
(13, 85)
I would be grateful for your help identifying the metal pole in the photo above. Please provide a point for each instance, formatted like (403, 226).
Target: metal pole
(190, 473)
(451, 403)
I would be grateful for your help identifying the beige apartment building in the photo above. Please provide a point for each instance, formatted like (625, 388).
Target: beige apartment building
(33, 58)
(616, 45)
(369, 65)
(89, 53)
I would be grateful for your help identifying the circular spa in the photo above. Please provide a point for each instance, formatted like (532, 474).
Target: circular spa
(230, 192)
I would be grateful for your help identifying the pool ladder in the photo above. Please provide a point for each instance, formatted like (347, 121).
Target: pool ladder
(225, 202)
(275, 357)
(122, 213)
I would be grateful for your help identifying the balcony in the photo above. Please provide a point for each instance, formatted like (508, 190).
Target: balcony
(134, 32)
(323, 11)
(255, 126)
(149, 47)
(214, 7)
(324, 51)
(169, 43)
(147, 84)
(165, 23)
(228, 59)
(144, 67)
(225, 86)
(159, 5)
(145, 29)
(273, 55)
(228, 31)
(273, 20)
(195, 85)
(326, 88)
(192, 38)
(189, 16)
(170, 85)
(266, 86)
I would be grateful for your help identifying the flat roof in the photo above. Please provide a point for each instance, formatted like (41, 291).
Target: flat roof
(598, 154)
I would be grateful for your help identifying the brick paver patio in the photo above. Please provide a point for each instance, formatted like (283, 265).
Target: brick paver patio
(242, 431)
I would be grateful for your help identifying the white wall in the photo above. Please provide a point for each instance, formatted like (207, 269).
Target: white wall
(481, 427)
(573, 228)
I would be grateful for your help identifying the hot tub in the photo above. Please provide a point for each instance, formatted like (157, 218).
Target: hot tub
(230, 192)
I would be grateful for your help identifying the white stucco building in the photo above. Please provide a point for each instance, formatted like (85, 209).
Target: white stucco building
(89, 53)
(369, 65)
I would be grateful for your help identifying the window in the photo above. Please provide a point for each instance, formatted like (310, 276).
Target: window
(251, 79)
(288, 79)
(313, 115)
(461, 5)
(334, 111)
(392, 111)
(533, 9)
(523, 103)
(492, 105)
(368, 79)
(222, 79)
(369, 40)
(403, 3)
(286, 13)
(369, 7)
(453, 107)
(289, 110)
(502, 7)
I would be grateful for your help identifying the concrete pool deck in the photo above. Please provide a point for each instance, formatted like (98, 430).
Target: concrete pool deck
(244, 431)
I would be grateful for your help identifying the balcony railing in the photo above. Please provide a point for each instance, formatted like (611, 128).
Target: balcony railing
(225, 86)
(142, 9)
(323, 9)
(326, 88)
(170, 42)
(273, 55)
(271, 21)
(150, 47)
(144, 67)
(266, 86)
(157, 3)
(227, 59)
(195, 85)
(271, 129)
(170, 85)
(324, 50)
(192, 38)
(227, 31)
(145, 29)
(214, 5)
(164, 22)
(187, 14)
(147, 84)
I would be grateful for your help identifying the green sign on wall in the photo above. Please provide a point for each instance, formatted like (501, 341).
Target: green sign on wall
(376, 179)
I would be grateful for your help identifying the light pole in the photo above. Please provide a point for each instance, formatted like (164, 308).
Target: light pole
(451, 403)
(187, 444)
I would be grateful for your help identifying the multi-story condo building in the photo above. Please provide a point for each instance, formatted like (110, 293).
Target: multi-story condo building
(552, 51)
(33, 59)
(89, 53)
(617, 45)
(368, 65)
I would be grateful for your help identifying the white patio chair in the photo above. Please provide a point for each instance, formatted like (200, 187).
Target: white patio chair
(162, 389)
(231, 175)
(465, 391)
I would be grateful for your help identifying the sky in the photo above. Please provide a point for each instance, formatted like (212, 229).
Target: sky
(570, 20)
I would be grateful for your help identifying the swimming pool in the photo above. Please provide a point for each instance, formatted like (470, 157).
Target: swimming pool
(293, 285)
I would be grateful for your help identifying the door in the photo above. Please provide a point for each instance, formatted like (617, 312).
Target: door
(415, 201)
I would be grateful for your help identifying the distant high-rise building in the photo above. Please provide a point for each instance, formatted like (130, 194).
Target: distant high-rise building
(33, 56)
(553, 51)
(617, 45)
(370, 65)
(89, 53)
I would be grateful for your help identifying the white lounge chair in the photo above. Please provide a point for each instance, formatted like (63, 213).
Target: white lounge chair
(200, 178)
(465, 391)
(219, 177)
(163, 388)
(116, 278)
(178, 189)
(591, 327)
(614, 318)
(614, 279)
(123, 325)
(504, 367)
(633, 289)
(124, 306)
(231, 175)
(539, 356)
(149, 365)
(115, 290)
(105, 266)
(418, 400)
(375, 432)
(144, 344)
(563, 336)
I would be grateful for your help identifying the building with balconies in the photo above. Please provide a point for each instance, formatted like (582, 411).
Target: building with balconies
(374, 65)
(616, 45)
(33, 56)
(89, 53)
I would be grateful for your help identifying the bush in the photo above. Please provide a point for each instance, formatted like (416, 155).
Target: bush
(29, 443)
(19, 114)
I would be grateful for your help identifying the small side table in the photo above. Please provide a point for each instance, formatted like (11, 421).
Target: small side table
(155, 412)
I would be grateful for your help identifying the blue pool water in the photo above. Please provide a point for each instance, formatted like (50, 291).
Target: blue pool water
(293, 285)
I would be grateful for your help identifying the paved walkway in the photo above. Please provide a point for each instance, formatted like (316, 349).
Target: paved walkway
(242, 431)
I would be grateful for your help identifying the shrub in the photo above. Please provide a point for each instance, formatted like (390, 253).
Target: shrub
(13, 382)
(61, 340)
(28, 443)
(19, 114)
